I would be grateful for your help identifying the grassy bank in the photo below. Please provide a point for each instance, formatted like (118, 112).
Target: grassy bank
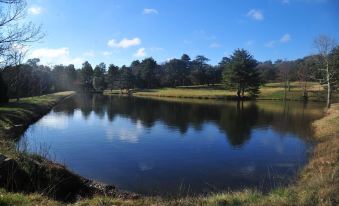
(14, 115)
(24, 172)
(270, 91)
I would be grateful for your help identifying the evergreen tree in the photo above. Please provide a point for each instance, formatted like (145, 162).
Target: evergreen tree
(240, 74)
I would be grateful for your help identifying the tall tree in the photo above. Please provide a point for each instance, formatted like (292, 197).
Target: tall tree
(99, 70)
(126, 78)
(176, 72)
(241, 73)
(199, 67)
(285, 74)
(325, 45)
(87, 74)
(148, 72)
(306, 72)
(112, 76)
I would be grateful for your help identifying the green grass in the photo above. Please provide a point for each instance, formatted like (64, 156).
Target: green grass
(16, 199)
(27, 109)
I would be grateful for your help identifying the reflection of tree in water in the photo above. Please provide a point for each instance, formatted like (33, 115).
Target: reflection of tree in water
(236, 120)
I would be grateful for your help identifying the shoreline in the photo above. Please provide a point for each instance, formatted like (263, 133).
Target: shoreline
(308, 186)
(40, 172)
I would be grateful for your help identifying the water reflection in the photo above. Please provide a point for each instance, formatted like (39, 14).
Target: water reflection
(235, 119)
(178, 146)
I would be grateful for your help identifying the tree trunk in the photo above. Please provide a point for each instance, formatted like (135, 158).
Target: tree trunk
(238, 93)
(285, 91)
(305, 94)
(328, 86)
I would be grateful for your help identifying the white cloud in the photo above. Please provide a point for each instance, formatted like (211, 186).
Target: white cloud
(106, 53)
(50, 53)
(215, 45)
(20, 48)
(54, 121)
(249, 43)
(34, 10)
(285, 1)
(124, 43)
(50, 56)
(150, 11)
(286, 38)
(156, 49)
(130, 135)
(140, 53)
(270, 44)
(89, 53)
(255, 14)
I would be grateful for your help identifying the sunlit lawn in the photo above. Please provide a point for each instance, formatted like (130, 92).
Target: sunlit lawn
(273, 91)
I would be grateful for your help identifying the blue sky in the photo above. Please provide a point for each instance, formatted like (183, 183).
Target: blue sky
(120, 31)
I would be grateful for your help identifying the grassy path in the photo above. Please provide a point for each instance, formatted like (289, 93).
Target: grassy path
(28, 109)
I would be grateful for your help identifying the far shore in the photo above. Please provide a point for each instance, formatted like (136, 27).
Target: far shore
(270, 91)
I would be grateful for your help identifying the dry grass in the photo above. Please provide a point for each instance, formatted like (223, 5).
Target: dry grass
(270, 91)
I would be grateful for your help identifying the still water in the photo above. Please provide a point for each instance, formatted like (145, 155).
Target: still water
(176, 147)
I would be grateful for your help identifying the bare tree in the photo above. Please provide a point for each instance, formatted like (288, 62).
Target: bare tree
(305, 73)
(285, 74)
(325, 45)
(16, 55)
(14, 32)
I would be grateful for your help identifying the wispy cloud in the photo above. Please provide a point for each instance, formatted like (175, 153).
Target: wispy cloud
(150, 11)
(285, 38)
(34, 10)
(255, 14)
(124, 43)
(106, 53)
(249, 43)
(89, 53)
(140, 52)
(55, 56)
(270, 44)
(215, 45)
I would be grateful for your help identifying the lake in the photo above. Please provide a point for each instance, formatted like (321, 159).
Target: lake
(177, 146)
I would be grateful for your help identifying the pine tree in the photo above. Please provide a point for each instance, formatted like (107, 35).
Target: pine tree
(240, 73)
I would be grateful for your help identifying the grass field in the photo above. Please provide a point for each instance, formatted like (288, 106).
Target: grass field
(270, 91)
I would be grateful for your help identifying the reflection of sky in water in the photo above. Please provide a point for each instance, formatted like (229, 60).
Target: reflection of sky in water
(123, 130)
(54, 121)
(146, 156)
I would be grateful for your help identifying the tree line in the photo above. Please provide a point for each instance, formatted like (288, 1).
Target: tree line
(240, 72)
